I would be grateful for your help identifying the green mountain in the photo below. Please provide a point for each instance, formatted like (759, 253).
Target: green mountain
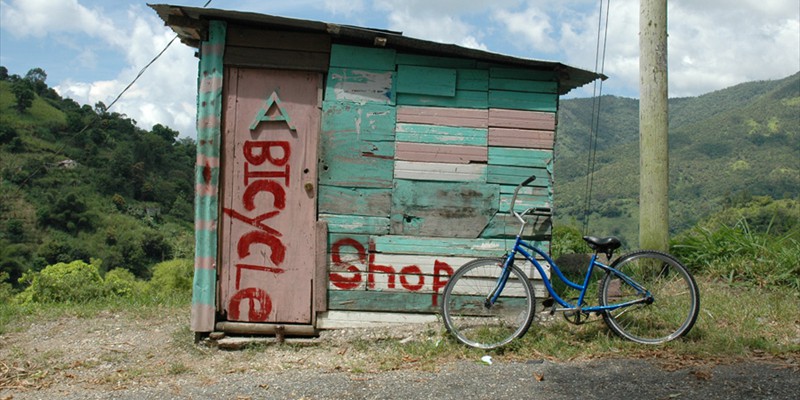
(80, 183)
(725, 147)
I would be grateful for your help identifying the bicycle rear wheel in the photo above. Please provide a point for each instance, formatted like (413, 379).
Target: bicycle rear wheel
(675, 298)
(471, 320)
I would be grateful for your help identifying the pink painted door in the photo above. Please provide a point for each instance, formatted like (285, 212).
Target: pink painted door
(271, 128)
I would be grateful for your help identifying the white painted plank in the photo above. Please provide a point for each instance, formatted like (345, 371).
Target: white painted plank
(439, 171)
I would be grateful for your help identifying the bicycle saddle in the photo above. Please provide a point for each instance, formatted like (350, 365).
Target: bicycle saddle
(606, 244)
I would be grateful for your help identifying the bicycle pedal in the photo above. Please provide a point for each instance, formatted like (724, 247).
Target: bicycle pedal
(548, 302)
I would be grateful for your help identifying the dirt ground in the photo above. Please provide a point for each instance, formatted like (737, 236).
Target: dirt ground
(114, 356)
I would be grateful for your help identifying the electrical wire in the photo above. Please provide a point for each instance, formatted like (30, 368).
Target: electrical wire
(594, 127)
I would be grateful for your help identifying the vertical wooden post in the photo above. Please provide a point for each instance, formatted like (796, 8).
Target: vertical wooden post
(653, 126)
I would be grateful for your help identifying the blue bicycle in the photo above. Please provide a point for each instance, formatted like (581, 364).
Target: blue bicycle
(647, 296)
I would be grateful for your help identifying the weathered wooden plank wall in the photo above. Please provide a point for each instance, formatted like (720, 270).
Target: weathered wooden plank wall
(420, 155)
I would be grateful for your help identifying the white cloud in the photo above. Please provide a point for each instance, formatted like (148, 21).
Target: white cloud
(164, 94)
(438, 21)
(530, 27)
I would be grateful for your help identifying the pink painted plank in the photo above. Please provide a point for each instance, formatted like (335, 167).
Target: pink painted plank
(439, 153)
(502, 118)
(461, 117)
(535, 139)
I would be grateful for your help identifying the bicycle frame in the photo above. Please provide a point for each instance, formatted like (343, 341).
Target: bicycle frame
(522, 247)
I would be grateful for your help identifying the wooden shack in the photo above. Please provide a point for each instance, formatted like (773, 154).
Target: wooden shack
(343, 173)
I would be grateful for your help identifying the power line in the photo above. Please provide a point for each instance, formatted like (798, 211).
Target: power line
(594, 126)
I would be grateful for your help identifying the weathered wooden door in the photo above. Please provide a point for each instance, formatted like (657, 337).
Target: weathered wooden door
(271, 129)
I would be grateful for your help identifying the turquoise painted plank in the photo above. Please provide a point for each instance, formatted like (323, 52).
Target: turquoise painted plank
(520, 85)
(472, 79)
(435, 134)
(522, 101)
(514, 175)
(520, 157)
(518, 73)
(356, 201)
(524, 201)
(434, 61)
(462, 99)
(360, 85)
(366, 121)
(442, 209)
(362, 57)
(440, 246)
(356, 224)
(371, 300)
(345, 160)
(426, 80)
(507, 226)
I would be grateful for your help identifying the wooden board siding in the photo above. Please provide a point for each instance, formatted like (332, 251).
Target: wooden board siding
(356, 224)
(521, 100)
(467, 118)
(525, 138)
(426, 80)
(520, 157)
(354, 201)
(462, 99)
(362, 57)
(356, 148)
(505, 118)
(360, 86)
(369, 121)
(447, 135)
(442, 209)
(423, 171)
(254, 47)
(416, 171)
(439, 153)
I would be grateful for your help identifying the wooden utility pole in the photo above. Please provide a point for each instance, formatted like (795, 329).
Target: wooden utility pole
(653, 126)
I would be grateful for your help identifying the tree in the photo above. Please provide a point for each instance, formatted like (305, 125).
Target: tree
(165, 132)
(37, 78)
(3, 73)
(24, 93)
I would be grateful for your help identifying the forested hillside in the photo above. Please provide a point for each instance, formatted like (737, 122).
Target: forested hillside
(79, 182)
(726, 148)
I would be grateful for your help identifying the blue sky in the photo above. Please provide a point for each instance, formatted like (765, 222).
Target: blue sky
(91, 49)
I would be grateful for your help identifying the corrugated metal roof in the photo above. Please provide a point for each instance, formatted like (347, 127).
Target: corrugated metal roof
(190, 23)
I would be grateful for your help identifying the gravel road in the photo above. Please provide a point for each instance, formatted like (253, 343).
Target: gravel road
(112, 356)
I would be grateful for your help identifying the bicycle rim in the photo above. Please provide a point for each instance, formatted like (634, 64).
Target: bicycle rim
(674, 307)
(464, 308)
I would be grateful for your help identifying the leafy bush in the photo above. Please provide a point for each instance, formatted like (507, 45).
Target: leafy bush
(567, 240)
(74, 282)
(173, 276)
(739, 254)
(120, 282)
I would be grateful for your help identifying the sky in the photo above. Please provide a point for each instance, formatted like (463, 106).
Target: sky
(92, 49)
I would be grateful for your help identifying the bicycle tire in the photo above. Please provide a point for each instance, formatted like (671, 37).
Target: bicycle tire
(674, 306)
(465, 313)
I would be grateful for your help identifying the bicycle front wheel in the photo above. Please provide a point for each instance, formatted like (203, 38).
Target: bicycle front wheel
(474, 322)
(669, 313)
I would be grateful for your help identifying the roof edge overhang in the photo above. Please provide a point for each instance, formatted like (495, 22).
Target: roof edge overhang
(191, 25)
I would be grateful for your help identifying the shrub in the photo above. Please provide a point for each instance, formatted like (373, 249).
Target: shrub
(74, 282)
(120, 282)
(739, 254)
(173, 276)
